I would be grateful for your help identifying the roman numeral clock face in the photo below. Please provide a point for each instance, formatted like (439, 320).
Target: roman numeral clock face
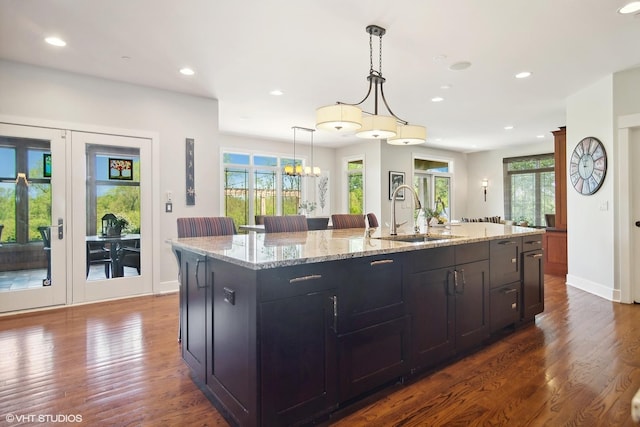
(588, 166)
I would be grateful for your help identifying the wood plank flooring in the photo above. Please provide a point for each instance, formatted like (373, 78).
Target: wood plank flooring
(118, 364)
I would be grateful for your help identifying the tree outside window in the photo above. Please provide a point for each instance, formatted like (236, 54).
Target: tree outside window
(355, 186)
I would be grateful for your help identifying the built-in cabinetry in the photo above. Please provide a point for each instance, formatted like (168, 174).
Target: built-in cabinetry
(292, 344)
(449, 301)
(193, 311)
(555, 240)
(517, 280)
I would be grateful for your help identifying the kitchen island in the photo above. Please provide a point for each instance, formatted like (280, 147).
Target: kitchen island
(287, 328)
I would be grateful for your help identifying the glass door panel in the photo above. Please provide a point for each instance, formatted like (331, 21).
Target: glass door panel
(113, 236)
(32, 204)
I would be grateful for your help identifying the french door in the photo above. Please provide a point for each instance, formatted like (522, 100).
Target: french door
(111, 180)
(33, 217)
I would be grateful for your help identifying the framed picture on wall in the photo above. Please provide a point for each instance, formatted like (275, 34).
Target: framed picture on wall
(396, 179)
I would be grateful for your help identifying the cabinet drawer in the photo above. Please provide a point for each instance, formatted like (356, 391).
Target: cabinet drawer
(430, 259)
(373, 356)
(472, 252)
(531, 243)
(505, 261)
(371, 292)
(505, 306)
(283, 282)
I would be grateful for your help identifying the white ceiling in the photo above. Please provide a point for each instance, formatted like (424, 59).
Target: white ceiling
(317, 53)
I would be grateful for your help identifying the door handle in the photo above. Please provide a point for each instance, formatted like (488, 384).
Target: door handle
(637, 223)
(60, 227)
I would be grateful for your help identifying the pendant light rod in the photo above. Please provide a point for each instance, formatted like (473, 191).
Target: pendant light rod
(376, 81)
(344, 116)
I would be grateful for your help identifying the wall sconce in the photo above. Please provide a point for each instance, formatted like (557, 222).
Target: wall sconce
(485, 184)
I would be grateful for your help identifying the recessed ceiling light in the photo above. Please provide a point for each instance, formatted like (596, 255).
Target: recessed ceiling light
(631, 7)
(276, 92)
(508, 127)
(187, 71)
(445, 87)
(540, 136)
(439, 58)
(55, 41)
(523, 75)
(437, 99)
(459, 66)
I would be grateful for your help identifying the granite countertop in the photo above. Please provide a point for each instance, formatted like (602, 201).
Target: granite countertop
(269, 250)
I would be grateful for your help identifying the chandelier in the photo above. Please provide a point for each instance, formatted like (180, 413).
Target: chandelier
(344, 117)
(296, 169)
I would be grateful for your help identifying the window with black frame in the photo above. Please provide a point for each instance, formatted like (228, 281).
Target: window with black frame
(529, 188)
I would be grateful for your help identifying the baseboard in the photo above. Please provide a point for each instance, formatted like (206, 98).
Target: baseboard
(594, 288)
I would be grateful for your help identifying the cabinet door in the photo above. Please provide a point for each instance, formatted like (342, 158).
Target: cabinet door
(193, 321)
(532, 284)
(432, 309)
(298, 358)
(472, 304)
(373, 356)
(505, 261)
(371, 292)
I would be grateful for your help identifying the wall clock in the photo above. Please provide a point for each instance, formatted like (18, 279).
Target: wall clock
(588, 166)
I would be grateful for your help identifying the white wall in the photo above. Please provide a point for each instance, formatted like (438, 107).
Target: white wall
(590, 219)
(41, 93)
(488, 165)
(400, 159)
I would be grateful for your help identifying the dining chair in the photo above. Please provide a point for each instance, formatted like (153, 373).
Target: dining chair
(286, 223)
(205, 226)
(45, 233)
(348, 221)
(97, 254)
(259, 219)
(372, 220)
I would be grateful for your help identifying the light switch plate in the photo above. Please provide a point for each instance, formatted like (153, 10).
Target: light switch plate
(168, 207)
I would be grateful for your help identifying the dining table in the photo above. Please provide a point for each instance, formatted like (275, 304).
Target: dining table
(117, 248)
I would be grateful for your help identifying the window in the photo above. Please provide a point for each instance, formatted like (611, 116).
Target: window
(529, 188)
(254, 185)
(432, 182)
(107, 195)
(25, 197)
(355, 186)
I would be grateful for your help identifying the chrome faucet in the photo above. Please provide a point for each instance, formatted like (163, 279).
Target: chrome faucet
(418, 205)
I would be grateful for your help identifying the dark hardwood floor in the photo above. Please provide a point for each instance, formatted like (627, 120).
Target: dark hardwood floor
(118, 364)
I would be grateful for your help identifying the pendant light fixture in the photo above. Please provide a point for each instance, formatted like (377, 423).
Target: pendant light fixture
(349, 117)
(296, 169)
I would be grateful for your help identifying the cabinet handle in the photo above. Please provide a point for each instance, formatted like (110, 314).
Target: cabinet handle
(509, 291)
(534, 242)
(464, 282)
(451, 289)
(334, 302)
(382, 261)
(535, 255)
(305, 278)
(198, 276)
(507, 242)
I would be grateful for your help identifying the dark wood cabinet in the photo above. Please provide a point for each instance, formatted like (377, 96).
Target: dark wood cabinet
(193, 311)
(532, 284)
(370, 292)
(373, 356)
(505, 261)
(471, 288)
(289, 345)
(449, 305)
(373, 342)
(505, 306)
(298, 356)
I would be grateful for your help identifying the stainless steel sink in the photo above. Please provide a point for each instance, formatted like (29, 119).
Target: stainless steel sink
(416, 238)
